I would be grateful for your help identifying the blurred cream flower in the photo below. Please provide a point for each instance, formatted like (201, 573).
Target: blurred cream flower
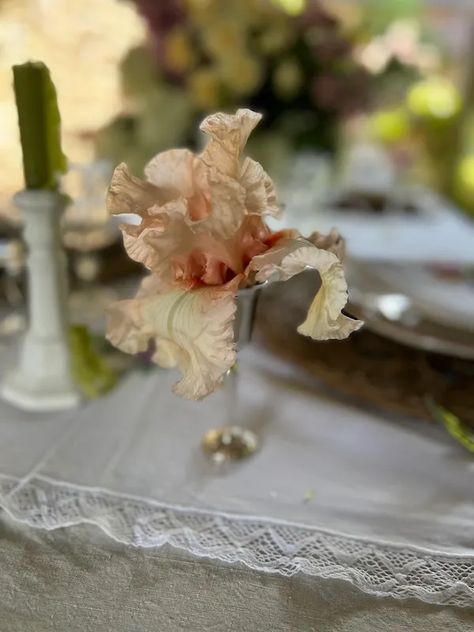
(287, 78)
(178, 52)
(204, 88)
(375, 55)
(203, 237)
(401, 41)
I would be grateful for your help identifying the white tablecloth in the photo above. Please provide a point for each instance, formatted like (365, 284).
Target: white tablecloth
(333, 492)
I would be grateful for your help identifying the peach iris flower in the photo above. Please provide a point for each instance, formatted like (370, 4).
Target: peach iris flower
(203, 237)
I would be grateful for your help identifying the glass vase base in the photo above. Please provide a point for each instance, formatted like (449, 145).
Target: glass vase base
(229, 443)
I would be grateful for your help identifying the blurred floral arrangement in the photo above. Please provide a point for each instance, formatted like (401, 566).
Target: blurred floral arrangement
(421, 106)
(432, 134)
(290, 59)
(401, 46)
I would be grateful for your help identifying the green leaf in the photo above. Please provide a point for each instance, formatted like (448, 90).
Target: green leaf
(458, 429)
(40, 125)
(91, 373)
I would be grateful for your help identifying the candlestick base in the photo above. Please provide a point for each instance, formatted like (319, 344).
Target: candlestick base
(43, 380)
(38, 395)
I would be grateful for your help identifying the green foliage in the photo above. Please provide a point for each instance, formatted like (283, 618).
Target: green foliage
(91, 373)
(458, 429)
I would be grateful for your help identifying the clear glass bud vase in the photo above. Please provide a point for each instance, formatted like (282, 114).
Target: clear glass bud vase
(233, 440)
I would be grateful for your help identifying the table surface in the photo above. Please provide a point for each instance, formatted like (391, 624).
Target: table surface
(79, 579)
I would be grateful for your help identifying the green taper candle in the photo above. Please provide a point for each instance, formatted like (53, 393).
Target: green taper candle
(40, 126)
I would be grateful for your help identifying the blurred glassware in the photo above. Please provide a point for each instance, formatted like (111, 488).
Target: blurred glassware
(90, 237)
(368, 170)
(306, 185)
(235, 440)
(12, 267)
(86, 224)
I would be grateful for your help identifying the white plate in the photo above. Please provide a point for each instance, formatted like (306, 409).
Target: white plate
(443, 298)
(438, 233)
(402, 303)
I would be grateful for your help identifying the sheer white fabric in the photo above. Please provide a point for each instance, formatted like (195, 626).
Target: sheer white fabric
(333, 492)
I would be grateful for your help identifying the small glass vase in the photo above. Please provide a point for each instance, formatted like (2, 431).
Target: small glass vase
(233, 441)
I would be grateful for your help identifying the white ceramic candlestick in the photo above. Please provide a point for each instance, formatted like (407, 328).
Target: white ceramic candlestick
(43, 379)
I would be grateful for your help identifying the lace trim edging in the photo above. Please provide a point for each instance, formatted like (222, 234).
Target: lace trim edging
(271, 547)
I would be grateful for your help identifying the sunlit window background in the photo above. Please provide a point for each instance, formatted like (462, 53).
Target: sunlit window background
(83, 44)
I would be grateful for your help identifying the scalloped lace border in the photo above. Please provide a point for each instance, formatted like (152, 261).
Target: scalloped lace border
(262, 545)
